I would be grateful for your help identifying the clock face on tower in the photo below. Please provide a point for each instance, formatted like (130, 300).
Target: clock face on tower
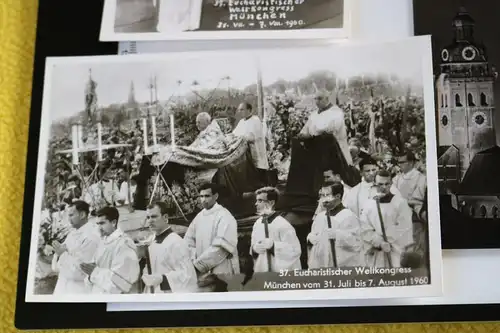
(479, 118)
(468, 53)
(444, 120)
(445, 55)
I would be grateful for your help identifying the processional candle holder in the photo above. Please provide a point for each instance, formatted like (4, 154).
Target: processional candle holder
(144, 125)
(99, 136)
(74, 144)
(152, 115)
(172, 129)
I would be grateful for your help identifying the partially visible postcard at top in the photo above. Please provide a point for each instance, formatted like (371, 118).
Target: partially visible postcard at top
(126, 20)
(236, 175)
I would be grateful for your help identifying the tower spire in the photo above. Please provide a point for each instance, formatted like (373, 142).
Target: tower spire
(131, 94)
(463, 24)
(90, 96)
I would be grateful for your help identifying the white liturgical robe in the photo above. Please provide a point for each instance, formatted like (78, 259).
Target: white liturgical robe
(177, 16)
(213, 238)
(329, 121)
(117, 265)
(81, 246)
(348, 244)
(103, 194)
(285, 253)
(359, 195)
(123, 195)
(398, 225)
(253, 131)
(171, 258)
(412, 186)
(320, 208)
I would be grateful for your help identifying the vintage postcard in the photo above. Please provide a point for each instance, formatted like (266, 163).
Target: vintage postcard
(305, 173)
(465, 39)
(125, 20)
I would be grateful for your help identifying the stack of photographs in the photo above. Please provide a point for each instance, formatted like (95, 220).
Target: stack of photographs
(239, 151)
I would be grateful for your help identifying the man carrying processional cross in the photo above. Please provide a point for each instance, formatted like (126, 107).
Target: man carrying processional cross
(335, 238)
(274, 244)
(386, 225)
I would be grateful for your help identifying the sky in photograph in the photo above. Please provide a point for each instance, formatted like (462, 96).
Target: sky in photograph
(114, 76)
(402, 58)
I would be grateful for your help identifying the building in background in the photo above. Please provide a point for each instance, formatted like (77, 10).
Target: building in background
(468, 156)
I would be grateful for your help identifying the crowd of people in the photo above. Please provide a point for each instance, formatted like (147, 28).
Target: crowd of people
(380, 222)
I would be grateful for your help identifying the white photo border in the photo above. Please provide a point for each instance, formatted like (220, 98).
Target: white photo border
(349, 29)
(434, 288)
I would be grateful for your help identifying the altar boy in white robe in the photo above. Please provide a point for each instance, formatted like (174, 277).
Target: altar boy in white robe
(328, 177)
(335, 238)
(251, 128)
(171, 268)
(359, 195)
(274, 243)
(411, 183)
(79, 247)
(213, 236)
(386, 225)
(115, 267)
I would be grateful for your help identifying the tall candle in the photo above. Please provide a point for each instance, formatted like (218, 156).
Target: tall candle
(74, 143)
(99, 142)
(172, 129)
(145, 134)
(80, 136)
(153, 125)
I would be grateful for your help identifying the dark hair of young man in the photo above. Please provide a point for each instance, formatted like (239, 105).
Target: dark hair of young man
(110, 213)
(81, 206)
(164, 208)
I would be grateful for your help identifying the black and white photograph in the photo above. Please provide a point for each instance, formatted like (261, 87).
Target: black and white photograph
(466, 51)
(292, 174)
(125, 20)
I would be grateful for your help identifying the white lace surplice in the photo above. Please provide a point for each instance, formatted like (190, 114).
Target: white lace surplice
(329, 121)
(82, 245)
(171, 258)
(397, 218)
(348, 244)
(117, 265)
(412, 186)
(213, 238)
(359, 195)
(286, 245)
(253, 131)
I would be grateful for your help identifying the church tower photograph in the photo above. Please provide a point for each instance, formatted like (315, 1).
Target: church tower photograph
(466, 112)
(465, 94)
(466, 50)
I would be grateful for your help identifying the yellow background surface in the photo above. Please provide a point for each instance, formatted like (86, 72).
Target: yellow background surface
(17, 35)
